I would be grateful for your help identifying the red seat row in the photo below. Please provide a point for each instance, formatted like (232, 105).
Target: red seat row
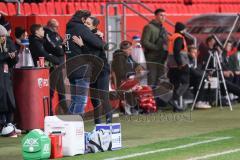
(49, 8)
(60, 8)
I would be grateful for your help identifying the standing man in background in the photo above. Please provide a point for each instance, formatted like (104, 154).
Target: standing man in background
(178, 64)
(154, 42)
(54, 44)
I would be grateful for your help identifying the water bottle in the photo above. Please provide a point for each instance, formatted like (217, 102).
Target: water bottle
(27, 60)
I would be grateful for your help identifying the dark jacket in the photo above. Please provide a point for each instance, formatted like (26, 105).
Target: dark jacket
(234, 63)
(77, 28)
(37, 50)
(7, 101)
(154, 41)
(98, 52)
(53, 44)
(123, 66)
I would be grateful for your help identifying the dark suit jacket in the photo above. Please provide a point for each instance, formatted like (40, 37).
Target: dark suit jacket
(122, 67)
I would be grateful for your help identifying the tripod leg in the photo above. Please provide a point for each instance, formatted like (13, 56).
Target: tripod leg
(201, 82)
(223, 80)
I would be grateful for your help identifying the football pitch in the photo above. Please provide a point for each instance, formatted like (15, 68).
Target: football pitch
(202, 134)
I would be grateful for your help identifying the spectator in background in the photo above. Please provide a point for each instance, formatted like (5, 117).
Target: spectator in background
(20, 34)
(154, 42)
(7, 60)
(178, 64)
(125, 68)
(7, 25)
(234, 61)
(195, 74)
(230, 62)
(36, 46)
(53, 43)
(36, 40)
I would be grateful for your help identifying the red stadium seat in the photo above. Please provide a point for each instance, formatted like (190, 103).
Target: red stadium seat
(42, 8)
(78, 5)
(64, 7)
(35, 9)
(11, 9)
(70, 8)
(83, 5)
(27, 9)
(58, 8)
(3, 8)
(50, 8)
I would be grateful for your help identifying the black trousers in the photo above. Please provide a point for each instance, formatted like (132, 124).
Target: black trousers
(100, 97)
(57, 83)
(195, 79)
(180, 80)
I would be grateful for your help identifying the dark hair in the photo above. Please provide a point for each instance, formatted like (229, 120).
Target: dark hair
(95, 22)
(34, 28)
(125, 44)
(159, 10)
(192, 48)
(19, 31)
(209, 39)
(82, 14)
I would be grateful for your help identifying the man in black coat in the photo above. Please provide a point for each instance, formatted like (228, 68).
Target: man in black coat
(54, 44)
(79, 70)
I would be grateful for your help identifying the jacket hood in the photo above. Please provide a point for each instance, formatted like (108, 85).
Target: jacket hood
(73, 21)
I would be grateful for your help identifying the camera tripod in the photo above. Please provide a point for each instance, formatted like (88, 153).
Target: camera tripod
(220, 79)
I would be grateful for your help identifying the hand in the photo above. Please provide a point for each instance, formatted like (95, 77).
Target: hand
(100, 34)
(228, 74)
(139, 69)
(78, 40)
(64, 41)
(12, 55)
(237, 72)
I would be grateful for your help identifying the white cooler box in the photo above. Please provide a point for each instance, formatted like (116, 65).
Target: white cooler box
(72, 128)
(115, 129)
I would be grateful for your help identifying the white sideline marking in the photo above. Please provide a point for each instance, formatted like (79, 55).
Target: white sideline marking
(215, 154)
(169, 149)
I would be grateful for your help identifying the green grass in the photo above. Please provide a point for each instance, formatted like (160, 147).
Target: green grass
(161, 130)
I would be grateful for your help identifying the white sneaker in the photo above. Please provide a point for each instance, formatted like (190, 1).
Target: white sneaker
(202, 105)
(17, 131)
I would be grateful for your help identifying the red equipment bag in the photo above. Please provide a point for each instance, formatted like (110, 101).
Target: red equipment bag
(146, 99)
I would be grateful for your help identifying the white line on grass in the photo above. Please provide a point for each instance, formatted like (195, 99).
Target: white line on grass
(215, 154)
(169, 149)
